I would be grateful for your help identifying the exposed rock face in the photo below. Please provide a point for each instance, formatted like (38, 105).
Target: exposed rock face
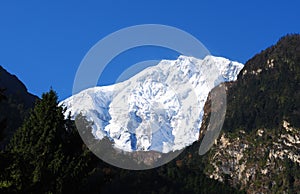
(257, 162)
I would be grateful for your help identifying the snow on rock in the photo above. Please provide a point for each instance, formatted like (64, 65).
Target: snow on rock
(159, 109)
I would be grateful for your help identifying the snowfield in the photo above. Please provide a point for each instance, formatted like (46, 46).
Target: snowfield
(158, 109)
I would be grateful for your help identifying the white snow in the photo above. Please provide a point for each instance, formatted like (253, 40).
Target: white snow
(159, 109)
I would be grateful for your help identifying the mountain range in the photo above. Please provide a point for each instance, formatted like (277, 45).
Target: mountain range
(257, 150)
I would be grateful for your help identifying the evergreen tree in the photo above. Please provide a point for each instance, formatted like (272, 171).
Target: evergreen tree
(48, 154)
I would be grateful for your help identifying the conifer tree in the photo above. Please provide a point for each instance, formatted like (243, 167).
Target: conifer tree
(48, 154)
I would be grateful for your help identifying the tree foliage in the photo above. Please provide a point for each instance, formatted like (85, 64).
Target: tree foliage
(268, 89)
(46, 154)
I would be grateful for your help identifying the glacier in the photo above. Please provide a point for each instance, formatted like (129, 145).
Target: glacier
(159, 109)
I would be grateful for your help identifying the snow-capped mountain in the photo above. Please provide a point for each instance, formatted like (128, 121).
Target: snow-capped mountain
(159, 109)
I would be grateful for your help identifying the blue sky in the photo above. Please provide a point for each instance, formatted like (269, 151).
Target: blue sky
(44, 43)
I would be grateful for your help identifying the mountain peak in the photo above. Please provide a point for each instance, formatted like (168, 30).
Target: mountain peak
(158, 109)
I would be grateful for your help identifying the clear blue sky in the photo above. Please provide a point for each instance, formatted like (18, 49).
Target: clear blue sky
(44, 43)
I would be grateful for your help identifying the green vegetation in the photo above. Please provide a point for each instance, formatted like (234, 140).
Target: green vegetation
(45, 155)
(268, 89)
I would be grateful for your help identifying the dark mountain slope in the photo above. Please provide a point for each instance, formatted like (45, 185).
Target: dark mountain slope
(259, 147)
(268, 89)
(16, 104)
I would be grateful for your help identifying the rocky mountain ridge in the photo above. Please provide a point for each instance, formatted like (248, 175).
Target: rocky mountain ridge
(259, 147)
